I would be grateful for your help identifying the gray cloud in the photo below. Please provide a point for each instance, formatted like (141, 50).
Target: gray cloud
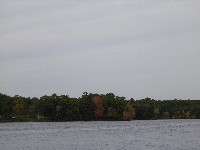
(134, 49)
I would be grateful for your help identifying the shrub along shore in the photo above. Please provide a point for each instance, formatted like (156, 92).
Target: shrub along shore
(94, 107)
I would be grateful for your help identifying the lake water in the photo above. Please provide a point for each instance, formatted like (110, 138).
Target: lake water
(105, 135)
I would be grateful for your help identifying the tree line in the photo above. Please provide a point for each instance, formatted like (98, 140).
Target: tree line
(91, 107)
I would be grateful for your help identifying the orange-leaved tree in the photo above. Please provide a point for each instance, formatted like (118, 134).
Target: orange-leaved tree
(129, 112)
(99, 108)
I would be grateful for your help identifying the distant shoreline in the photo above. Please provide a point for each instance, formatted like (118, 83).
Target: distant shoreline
(93, 107)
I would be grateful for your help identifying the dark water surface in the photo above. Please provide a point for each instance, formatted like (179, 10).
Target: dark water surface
(105, 135)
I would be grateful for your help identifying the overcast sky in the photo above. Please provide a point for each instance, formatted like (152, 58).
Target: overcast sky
(132, 48)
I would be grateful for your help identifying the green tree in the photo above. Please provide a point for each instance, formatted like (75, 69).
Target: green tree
(6, 107)
(87, 107)
(19, 108)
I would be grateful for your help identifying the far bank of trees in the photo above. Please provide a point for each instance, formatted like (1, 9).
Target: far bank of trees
(91, 107)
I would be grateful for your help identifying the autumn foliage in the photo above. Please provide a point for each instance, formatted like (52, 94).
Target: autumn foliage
(129, 112)
(98, 106)
(90, 107)
(112, 113)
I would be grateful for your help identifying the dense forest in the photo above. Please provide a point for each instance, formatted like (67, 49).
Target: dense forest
(91, 107)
